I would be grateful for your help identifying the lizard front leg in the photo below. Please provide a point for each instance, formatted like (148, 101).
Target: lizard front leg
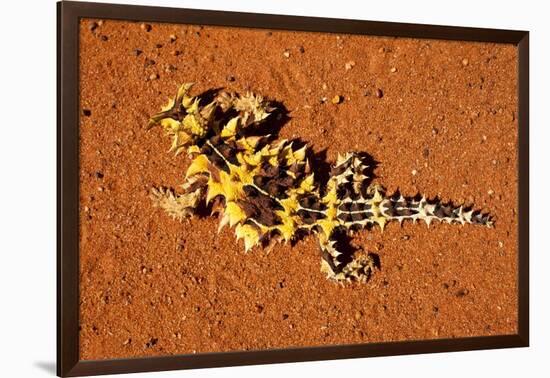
(181, 205)
(339, 262)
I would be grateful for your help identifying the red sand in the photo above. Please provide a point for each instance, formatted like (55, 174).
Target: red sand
(153, 286)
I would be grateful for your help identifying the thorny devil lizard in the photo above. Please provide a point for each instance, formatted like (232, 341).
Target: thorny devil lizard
(266, 188)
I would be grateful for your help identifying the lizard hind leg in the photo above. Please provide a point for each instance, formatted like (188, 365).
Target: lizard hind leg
(181, 205)
(341, 263)
(352, 174)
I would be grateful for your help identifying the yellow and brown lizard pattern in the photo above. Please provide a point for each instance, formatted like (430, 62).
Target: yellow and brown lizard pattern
(266, 188)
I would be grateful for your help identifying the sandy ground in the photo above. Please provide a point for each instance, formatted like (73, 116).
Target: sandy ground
(438, 116)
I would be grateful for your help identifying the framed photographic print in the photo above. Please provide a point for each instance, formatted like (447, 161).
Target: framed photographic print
(242, 188)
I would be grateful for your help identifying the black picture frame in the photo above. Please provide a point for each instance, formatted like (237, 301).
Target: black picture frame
(68, 16)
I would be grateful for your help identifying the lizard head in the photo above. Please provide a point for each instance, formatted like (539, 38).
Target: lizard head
(185, 119)
(190, 122)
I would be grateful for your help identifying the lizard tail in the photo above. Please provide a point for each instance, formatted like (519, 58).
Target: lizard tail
(400, 208)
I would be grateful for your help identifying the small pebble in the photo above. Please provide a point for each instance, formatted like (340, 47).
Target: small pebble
(104, 38)
(137, 52)
(500, 244)
(176, 52)
(465, 62)
(170, 68)
(153, 76)
(337, 99)
(286, 54)
(379, 93)
(93, 26)
(358, 315)
(301, 49)
(146, 27)
(86, 209)
(159, 45)
(87, 112)
(426, 152)
(149, 62)
(349, 65)
(100, 22)
(231, 78)
(323, 99)
(414, 172)
(490, 192)
(381, 50)
(393, 70)
(325, 86)
(173, 37)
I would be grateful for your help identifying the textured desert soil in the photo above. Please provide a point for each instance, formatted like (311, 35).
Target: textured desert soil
(440, 119)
